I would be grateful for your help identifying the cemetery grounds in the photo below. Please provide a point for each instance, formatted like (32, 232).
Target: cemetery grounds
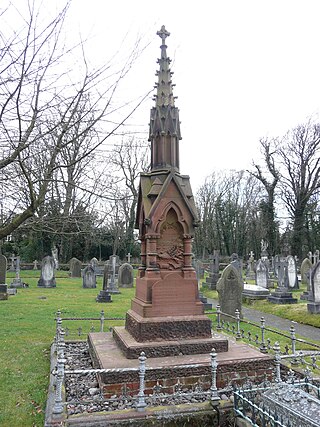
(28, 328)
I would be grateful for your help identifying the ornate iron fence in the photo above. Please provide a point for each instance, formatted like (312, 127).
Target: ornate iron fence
(246, 400)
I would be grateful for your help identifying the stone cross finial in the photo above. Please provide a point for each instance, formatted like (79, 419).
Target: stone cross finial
(163, 33)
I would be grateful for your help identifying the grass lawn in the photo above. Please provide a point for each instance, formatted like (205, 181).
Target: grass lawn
(297, 312)
(28, 327)
(26, 333)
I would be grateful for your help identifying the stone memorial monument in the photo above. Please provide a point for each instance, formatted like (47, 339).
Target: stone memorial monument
(89, 277)
(166, 320)
(292, 273)
(262, 274)
(16, 282)
(314, 303)
(47, 278)
(125, 276)
(111, 274)
(75, 267)
(3, 269)
(282, 294)
(213, 277)
(250, 272)
(306, 266)
(230, 288)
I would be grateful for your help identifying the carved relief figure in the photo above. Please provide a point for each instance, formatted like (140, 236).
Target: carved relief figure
(170, 244)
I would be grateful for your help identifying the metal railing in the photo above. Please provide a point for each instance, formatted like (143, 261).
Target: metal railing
(298, 350)
(306, 358)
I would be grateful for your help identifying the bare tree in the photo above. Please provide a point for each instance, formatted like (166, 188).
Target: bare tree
(42, 114)
(269, 179)
(227, 205)
(300, 177)
(129, 158)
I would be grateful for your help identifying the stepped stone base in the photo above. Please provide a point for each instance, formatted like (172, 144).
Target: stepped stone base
(282, 298)
(167, 328)
(239, 363)
(104, 296)
(132, 348)
(313, 307)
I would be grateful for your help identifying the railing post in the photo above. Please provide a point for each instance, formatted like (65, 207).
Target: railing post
(101, 320)
(58, 326)
(58, 405)
(214, 396)
(219, 327)
(142, 370)
(277, 360)
(238, 333)
(294, 360)
(263, 347)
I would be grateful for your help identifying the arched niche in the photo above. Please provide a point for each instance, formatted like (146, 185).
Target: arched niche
(170, 246)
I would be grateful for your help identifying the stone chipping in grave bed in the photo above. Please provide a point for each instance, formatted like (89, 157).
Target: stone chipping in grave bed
(83, 393)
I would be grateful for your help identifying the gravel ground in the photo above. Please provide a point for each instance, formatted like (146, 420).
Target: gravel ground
(84, 395)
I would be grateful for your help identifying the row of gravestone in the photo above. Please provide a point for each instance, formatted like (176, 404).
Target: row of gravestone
(230, 289)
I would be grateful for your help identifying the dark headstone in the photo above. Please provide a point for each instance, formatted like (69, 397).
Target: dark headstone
(230, 288)
(103, 296)
(47, 278)
(212, 279)
(3, 269)
(3, 292)
(125, 276)
(75, 267)
(89, 277)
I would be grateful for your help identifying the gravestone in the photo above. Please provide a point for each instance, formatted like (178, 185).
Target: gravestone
(12, 262)
(89, 277)
(16, 282)
(306, 265)
(105, 275)
(75, 266)
(264, 247)
(292, 273)
(198, 266)
(282, 294)
(254, 292)
(3, 292)
(35, 264)
(262, 274)
(112, 274)
(3, 269)
(47, 278)
(125, 276)
(250, 273)
(104, 295)
(212, 279)
(230, 288)
(314, 303)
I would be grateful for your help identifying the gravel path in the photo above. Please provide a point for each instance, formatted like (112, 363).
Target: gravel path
(305, 331)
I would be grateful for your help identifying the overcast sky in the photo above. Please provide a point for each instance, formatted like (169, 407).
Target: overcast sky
(243, 69)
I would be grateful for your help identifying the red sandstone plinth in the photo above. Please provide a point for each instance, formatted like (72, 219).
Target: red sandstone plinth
(238, 363)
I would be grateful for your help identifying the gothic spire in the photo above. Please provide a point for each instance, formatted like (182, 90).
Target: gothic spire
(164, 118)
